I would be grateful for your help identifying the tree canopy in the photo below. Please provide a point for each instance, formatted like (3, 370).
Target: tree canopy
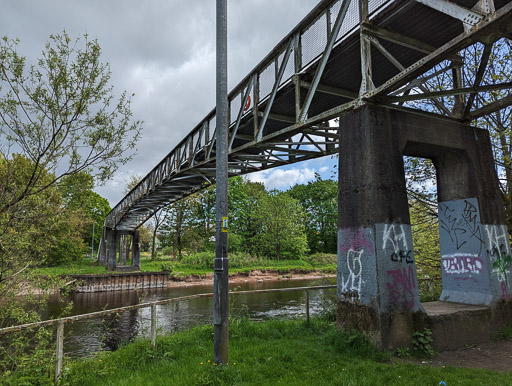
(61, 113)
(62, 130)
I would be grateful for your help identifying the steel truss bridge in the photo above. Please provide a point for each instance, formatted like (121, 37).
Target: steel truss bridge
(343, 54)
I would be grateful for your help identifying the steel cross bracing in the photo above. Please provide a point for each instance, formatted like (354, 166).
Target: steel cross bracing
(343, 54)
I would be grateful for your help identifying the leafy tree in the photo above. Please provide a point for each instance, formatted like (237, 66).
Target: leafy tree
(201, 219)
(282, 234)
(61, 113)
(26, 237)
(58, 118)
(499, 123)
(173, 228)
(319, 198)
(244, 200)
(158, 218)
(78, 195)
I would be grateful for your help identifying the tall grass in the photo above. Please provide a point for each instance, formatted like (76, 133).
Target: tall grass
(268, 353)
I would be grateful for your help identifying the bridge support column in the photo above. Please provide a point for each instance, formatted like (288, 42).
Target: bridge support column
(102, 256)
(377, 282)
(123, 249)
(112, 249)
(136, 250)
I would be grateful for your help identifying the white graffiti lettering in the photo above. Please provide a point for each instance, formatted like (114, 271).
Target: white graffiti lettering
(353, 280)
(462, 263)
(394, 238)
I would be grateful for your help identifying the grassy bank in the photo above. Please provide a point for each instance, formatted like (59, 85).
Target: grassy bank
(269, 353)
(202, 263)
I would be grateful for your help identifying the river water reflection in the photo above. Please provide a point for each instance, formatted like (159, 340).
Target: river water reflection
(85, 337)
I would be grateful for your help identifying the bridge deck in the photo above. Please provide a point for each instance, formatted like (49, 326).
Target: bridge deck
(282, 111)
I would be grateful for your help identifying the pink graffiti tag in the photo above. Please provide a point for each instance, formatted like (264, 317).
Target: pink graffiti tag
(355, 239)
(401, 287)
(504, 292)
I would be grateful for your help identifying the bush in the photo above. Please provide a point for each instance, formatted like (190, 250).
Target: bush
(167, 251)
(203, 260)
(321, 259)
(235, 242)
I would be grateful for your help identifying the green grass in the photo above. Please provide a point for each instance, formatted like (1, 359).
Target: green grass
(503, 334)
(188, 268)
(269, 353)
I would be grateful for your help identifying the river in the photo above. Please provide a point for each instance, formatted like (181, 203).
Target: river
(85, 337)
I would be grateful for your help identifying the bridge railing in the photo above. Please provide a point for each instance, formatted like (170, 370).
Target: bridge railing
(252, 97)
(153, 326)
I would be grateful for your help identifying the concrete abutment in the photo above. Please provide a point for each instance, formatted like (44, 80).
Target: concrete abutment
(377, 280)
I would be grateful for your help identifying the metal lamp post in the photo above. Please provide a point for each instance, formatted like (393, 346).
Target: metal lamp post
(220, 292)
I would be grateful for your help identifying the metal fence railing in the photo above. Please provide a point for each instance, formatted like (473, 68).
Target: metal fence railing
(61, 321)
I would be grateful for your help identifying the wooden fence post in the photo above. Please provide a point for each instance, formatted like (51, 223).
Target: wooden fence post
(60, 350)
(153, 325)
(307, 306)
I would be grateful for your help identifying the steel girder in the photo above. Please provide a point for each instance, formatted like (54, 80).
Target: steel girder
(370, 52)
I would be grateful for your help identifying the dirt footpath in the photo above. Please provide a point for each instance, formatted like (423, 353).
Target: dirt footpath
(491, 355)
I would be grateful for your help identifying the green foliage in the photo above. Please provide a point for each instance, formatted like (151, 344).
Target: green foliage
(282, 233)
(319, 258)
(502, 265)
(261, 223)
(59, 124)
(244, 202)
(167, 267)
(78, 195)
(61, 118)
(319, 199)
(503, 334)
(28, 356)
(62, 112)
(425, 237)
(403, 352)
(199, 260)
(235, 242)
(422, 343)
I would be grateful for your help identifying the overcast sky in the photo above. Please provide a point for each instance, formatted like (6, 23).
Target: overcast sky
(164, 52)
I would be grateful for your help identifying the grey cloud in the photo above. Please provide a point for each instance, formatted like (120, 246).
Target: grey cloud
(163, 51)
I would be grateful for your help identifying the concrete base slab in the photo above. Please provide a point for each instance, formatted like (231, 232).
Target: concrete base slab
(439, 308)
(126, 268)
(455, 325)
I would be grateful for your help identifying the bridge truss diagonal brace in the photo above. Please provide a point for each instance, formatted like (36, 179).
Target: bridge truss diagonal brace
(245, 99)
(325, 57)
(280, 74)
(446, 51)
(467, 16)
(399, 65)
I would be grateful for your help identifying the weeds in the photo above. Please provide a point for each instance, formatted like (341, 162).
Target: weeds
(504, 333)
(422, 342)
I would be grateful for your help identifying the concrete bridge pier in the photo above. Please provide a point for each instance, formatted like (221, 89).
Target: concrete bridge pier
(108, 250)
(136, 250)
(377, 280)
(112, 236)
(102, 254)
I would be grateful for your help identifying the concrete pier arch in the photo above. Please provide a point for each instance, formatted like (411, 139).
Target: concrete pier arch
(377, 281)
